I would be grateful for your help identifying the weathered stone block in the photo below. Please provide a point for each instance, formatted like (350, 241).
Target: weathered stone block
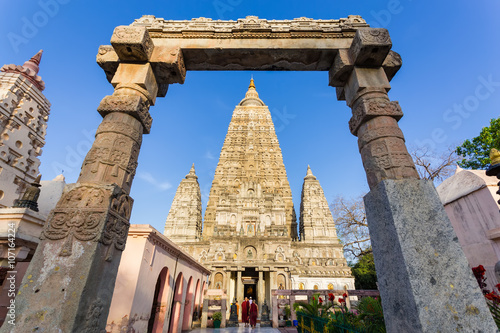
(370, 46)
(137, 74)
(362, 78)
(108, 60)
(340, 92)
(341, 69)
(392, 64)
(131, 104)
(425, 281)
(168, 65)
(132, 43)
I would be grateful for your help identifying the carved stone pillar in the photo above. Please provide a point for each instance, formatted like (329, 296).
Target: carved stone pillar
(69, 284)
(261, 292)
(425, 281)
(239, 292)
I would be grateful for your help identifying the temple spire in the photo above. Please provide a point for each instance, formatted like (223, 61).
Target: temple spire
(252, 84)
(252, 96)
(29, 70)
(34, 62)
(309, 174)
(192, 173)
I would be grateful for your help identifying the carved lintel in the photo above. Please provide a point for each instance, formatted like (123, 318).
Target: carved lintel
(370, 46)
(130, 104)
(368, 109)
(132, 43)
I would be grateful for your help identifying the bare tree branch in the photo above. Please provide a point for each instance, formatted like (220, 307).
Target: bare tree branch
(352, 228)
(434, 166)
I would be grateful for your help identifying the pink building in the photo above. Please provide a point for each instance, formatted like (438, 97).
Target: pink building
(159, 288)
(470, 200)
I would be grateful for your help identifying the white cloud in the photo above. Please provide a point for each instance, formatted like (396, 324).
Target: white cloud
(209, 155)
(147, 177)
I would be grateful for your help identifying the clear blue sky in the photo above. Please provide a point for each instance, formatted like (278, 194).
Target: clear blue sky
(450, 52)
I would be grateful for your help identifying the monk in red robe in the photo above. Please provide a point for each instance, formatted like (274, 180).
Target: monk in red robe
(244, 311)
(254, 311)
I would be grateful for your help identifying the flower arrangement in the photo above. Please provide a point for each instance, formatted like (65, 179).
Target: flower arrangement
(492, 297)
(368, 315)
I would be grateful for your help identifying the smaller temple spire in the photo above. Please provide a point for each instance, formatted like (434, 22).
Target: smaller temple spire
(29, 70)
(309, 174)
(192, 173)
(34, 62)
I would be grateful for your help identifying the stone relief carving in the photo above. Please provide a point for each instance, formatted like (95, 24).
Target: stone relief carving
(83, 211)
(157, 26)
(92, 317)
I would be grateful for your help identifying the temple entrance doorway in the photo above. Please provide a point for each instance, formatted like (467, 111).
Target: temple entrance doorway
(250, 279)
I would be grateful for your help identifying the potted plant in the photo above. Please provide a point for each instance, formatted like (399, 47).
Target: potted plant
(288, 316)
(217, 317)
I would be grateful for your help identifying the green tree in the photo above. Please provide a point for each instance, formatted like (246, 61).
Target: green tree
(364, 273)
(475, 153)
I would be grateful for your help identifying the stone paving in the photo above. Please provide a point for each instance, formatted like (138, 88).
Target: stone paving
(242, 329)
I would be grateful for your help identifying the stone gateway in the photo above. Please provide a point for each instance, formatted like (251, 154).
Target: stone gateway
(68, 286)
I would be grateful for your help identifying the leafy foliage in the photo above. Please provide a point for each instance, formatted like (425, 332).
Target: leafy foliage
(475, 153)
(217, 316)
(364, 272)
(371, 315)
(314, 308)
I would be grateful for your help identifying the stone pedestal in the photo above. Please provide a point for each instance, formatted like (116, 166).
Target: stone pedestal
(233, 317)
(425, 281)
(70, 281)
(264, 318)
(204, 314)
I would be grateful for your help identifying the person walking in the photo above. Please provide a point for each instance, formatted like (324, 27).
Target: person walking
(245, 308)
(254, 311)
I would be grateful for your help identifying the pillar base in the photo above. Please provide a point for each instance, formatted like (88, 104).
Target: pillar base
(425, 281)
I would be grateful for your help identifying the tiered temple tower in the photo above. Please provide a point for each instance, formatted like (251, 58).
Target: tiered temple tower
(24, 112)
(250, 192)
(316, 221)
(184, 217)
(250, 239)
